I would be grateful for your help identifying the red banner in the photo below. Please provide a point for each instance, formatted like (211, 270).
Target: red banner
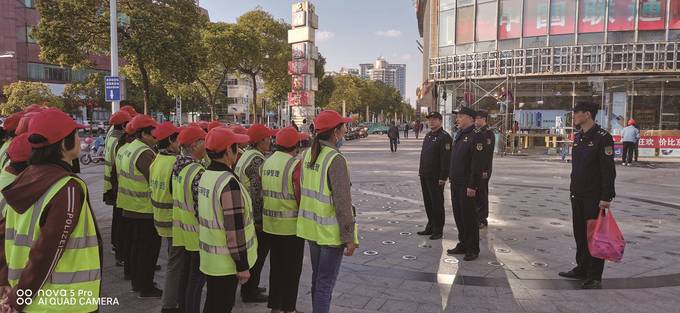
(591, 14)
(674, 22)
(652, 15)
(669, 142)
(656, 142)
(510, 19)
(621, 15)
(535, 18)
(562, 17)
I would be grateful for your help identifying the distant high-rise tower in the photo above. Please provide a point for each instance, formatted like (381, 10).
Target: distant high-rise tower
(391, 74)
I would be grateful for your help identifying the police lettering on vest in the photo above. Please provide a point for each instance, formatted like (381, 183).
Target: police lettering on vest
(133, 189)
(160, 175)
(184, 221)
(280, 205)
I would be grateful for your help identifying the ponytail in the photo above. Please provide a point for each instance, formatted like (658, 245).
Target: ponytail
(316, 144)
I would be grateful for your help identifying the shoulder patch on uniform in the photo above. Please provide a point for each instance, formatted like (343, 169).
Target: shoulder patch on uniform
(480, 146)
(609, 150)
(447, 147)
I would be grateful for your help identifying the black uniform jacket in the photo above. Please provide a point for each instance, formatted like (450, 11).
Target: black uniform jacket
(468, 158)
(593, 171)
(436, 153)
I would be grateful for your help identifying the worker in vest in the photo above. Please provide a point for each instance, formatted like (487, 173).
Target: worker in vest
(160, 184)
(228, 244)
(18, 152)
(326, 218)
(9, 126)
(133, 164)
(186, 174)
(52, 244)
(112, 143)
(249, 172)
(281, 189)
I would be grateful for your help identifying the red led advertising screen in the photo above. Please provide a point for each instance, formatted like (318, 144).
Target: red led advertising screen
(621, 15)
(591, 16)
(562, 17)
(652, 15)
(510, 19)
(674, 14)
(535, 18)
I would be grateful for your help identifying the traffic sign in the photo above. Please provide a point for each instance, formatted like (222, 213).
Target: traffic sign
(112, 88)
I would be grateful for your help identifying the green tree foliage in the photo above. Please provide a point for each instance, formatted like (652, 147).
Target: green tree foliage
(22, 94)
(89, 92)
(157, 39)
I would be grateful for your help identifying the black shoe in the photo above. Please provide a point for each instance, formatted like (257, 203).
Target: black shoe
(482, 225)
(426, 232)
(120, 263)
(258, 298)
(470, 256)
(153, 293)
(572, 274)
(456, 250)
(592, 284)
(261, 289)
(436, 237)
(176, 310)
(157, 268)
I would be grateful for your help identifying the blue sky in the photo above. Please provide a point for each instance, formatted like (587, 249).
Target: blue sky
(350, 31)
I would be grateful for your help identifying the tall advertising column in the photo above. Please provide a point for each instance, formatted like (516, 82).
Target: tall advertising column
(301, 68)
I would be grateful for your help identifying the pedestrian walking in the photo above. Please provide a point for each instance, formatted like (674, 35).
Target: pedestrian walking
(630, 136)
(326, 217)
(393, 135)
(593, 175)
(160, 182)
(467, 165)
(418, 128)
(434, 172)
(186, 175)
(482, 198)
(281, 188)
(133, 163)
(249, 171)
(406, 129)
(228, 246)
(49, 205)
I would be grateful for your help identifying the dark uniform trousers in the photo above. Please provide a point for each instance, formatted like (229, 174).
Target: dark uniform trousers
(117, 234)
(584, 209)
(287, 253)
(221, 294)
(145, 247)
(250, 288)
(433, 196)
(482, 200)
(467, 218)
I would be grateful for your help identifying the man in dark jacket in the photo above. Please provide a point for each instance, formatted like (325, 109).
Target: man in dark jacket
(393, 134)
(482, 199)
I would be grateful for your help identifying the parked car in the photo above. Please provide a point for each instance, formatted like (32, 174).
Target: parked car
(378, 129)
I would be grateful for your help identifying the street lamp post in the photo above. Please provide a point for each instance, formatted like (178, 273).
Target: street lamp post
(113, 11)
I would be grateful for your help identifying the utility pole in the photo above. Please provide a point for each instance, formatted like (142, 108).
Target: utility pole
(344, 107)
(113, 11)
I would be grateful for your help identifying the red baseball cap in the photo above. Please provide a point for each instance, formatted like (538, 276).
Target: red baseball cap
(130, 109)
(129, 130)
(258, 132)
(631, 122)
(288, 137)
(164, 130)
(52, 124)
(238, 129)
(12, 121)
(34, 108)
(190, 134)
(203, 124)
(20, 149)
(329, 119)
(23, 123)
(215, 124)
(142, 121)
(120, 117)
(219, 139)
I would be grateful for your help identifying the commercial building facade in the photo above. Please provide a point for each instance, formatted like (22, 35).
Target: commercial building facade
(623, 55)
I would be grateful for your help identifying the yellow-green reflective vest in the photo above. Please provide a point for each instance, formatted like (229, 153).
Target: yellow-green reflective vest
(280, 206)
(6, 178)
(109, 158)
(184, 221)
(243, 163)
(161, 199)
(76, 275)
(133, 189)
(4, 157)
(215, 257)
(316, 219)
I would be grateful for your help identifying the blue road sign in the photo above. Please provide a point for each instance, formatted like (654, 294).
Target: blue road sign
(112, 87)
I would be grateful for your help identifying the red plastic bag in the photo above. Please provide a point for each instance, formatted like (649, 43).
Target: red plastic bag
(605, 240)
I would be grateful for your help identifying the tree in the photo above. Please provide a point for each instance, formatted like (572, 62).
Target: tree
(22, 94)
(89, 92)
(155, 37)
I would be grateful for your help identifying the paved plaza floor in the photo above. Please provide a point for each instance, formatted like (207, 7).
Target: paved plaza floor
(529, 240)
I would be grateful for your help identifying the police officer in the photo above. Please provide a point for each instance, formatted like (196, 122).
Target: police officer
(434, 172)
(482, 199)
(592, 188)
(467, 165)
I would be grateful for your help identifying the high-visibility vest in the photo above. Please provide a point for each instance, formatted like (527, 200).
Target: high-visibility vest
(4, 157)
(280, 206)
(6, 178)
(184, 221)
(109, 158)
(76, 274)
(214, 253)
(133, 188)
(161, 199)
(243, 163)
(317, 221)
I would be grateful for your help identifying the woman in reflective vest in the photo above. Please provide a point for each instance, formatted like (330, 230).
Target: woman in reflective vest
(281, 189)
(326, 217)
(9, 126)
(228, 246)
(52, 245)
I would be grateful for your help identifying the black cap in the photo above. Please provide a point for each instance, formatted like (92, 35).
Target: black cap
(467, 111)
(586, 107)
(482, 114)
(435, 115)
